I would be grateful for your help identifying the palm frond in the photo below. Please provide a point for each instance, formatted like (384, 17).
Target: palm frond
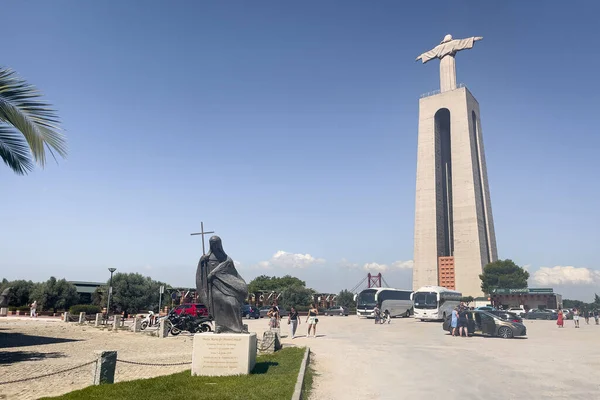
(21, 107)
(14, 150)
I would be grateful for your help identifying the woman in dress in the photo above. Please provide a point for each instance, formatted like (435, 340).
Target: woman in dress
(560, 320)
(311, 320)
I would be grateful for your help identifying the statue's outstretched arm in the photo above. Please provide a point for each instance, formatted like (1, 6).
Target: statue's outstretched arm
(476, 38)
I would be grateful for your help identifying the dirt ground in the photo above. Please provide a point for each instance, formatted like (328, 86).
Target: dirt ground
(354, 359)
(31, 348)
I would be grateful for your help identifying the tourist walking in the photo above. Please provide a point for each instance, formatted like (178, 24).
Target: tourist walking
(576, 317)
(33, 309)
(586, 314)
(454, 321)
(312, 320)
(293, 321)
(377, 313)
(560, 321)
(596, 317)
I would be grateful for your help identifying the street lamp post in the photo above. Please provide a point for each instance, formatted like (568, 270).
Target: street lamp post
(109, 292)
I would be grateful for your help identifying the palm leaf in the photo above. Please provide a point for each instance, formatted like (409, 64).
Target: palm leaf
(21, 107)
(14, 150)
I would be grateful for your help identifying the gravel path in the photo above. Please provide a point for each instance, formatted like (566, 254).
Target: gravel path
(30, 348)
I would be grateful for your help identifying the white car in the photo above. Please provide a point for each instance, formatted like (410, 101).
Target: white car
(517, 310)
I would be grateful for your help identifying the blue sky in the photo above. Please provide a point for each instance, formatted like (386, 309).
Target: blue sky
(290, 128)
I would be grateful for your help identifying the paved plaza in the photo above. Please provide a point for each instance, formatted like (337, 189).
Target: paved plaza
(353, 358)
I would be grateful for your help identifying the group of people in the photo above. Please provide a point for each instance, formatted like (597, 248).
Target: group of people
(576, 315)
(381, 318)
(294, 319)
(460, 321)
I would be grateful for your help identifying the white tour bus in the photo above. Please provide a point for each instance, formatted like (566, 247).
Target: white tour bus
(434, 302)
(397, 301)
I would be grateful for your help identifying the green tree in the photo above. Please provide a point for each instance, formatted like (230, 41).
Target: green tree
(596, 300)
(346, 299)
(132, 293)
(273, 283)
(28, 125)
(20, 292)
(296, 296)
(55, 294)
(503, 274)
(467, 299)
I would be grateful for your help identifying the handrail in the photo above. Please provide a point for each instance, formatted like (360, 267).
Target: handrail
(438, 91)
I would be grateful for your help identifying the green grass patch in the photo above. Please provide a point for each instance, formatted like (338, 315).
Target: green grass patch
(273, 377)
(308, 379)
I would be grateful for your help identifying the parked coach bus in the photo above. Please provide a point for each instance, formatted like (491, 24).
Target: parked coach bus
(396, 301)
(435, 302)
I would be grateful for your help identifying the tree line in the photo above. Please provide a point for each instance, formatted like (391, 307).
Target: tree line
(132, 293)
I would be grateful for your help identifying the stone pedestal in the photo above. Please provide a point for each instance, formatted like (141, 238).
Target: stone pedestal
(116, 322)
(98, 319)
(65, 317)
(3, 311)
(81, 317)
(271, 342)
(163, 328)
(137, 325)
(104, 369)
(221, 354)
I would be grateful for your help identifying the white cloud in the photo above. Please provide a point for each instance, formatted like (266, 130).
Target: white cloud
(568, 275)
(373, 266)
(283, 259)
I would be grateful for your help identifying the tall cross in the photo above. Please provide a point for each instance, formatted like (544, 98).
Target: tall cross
(201, 233)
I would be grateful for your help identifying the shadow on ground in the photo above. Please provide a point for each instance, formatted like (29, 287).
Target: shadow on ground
(11, 357)
(263, 367)
(16, 339)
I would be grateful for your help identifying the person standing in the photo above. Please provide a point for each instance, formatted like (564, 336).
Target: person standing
(312, 320)
(596, 317)
(560, 320)
(293, 321)
(586, 314)
(377, 313)
(576, 317)
(454, 321)
(33, 309)
(463, 323)
(274, 316)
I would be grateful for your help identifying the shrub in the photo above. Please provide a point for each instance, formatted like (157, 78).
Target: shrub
(86, 308)
(23, 308)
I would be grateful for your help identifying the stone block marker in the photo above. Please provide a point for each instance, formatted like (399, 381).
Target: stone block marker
(104, 369)
(137, 325)
(98, 319)
(222, 354)
(82, 318)
(65, 317)
(3, 311)
(116, 322)
(163, 328)
(270, 343)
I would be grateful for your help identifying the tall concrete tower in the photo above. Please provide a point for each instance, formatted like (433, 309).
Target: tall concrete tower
(454, 228)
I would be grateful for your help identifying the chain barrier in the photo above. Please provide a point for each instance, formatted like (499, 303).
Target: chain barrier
(153, 364)
(50, 374)
(262, 347)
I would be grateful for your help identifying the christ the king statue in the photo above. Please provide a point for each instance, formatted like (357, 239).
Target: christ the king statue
(446, 51)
